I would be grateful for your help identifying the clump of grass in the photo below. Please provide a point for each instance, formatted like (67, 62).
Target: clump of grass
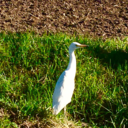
(31, 64)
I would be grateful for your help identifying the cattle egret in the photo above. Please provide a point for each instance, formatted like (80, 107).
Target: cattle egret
(65, 85)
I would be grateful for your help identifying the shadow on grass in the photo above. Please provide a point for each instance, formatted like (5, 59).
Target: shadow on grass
(16, 116)
(114, 58)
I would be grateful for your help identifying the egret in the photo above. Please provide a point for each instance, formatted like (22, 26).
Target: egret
(65, 85)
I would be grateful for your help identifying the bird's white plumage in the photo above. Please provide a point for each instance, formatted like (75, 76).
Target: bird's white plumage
(63, 92)
(65, 85)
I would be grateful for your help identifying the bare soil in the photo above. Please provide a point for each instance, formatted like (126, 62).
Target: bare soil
(102, 18)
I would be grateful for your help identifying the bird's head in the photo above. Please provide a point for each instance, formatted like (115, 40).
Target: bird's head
(76, 45)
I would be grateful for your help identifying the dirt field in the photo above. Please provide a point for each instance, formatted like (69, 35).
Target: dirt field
(105, 18)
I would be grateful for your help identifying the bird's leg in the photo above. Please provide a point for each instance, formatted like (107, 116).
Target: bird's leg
(65, 110)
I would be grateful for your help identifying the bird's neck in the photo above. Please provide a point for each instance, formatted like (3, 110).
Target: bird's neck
(72, 62)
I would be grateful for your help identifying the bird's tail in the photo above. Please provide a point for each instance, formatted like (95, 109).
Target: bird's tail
(57, 108)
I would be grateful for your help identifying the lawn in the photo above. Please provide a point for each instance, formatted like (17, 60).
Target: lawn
(31, 64)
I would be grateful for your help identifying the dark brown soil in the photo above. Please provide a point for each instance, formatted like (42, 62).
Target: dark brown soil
(105, 18)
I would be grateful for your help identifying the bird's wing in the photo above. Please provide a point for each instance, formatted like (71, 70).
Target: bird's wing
(63, 90)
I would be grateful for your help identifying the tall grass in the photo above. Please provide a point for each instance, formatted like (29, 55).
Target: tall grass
(31, 64)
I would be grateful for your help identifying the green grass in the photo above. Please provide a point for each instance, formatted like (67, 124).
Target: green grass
(30, 66)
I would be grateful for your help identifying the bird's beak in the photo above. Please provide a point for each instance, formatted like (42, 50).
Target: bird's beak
(82, 45)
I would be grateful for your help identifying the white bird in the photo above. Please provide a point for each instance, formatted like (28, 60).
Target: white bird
(65, 85)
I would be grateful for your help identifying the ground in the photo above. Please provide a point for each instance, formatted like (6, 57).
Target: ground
(107, 18)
